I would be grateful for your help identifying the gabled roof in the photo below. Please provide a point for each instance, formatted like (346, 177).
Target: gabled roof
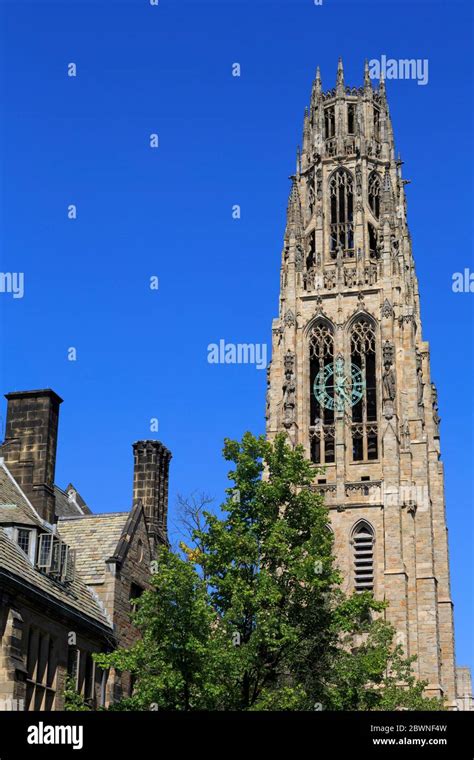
(16, 567)
(95, 538)
(69, 503)
(14, 505)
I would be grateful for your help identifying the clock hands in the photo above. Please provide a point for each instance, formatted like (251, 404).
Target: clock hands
(345, 389)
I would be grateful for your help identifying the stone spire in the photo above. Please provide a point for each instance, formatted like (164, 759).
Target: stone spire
(340, 78)
(317, 86)
(294, 218)
(367, 80)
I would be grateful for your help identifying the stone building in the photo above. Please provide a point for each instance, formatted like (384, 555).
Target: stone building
(350, 373)
(68, 577)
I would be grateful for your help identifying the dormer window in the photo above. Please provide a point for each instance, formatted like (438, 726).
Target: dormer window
(55, 557)
(24, 539)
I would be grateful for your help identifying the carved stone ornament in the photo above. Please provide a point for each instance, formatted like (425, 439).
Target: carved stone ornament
(419, 377)
(289, 390)
(387, 310)
(434, 401)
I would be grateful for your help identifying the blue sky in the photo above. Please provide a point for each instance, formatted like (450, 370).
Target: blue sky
(167, 212)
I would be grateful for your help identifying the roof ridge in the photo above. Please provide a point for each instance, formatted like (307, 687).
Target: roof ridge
(93, 514)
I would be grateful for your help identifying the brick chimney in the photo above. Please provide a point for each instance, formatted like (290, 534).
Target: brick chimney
(150, 485)
(29, 448)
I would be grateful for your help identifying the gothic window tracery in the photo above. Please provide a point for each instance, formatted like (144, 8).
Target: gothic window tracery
(364, 412)
(321, 422)
(374, 194)
(341, 192)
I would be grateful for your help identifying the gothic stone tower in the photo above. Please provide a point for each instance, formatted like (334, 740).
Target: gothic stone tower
(350, 373)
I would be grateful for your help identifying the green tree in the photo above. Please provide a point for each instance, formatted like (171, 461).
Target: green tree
(253, 617)
(73, 701)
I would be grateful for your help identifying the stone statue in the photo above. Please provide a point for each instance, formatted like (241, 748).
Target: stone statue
(419, 377)
(299, 257)
(436, 417)
(389, 387)
(319, 184)
(267, 396)
(405, 434)
(388, 383)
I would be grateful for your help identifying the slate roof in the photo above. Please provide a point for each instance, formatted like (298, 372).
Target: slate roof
(14, 506)
(75, 594)
(15, 565)
(65, 507)
(95, 538)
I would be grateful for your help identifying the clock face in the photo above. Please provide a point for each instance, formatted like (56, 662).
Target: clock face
(334, 389)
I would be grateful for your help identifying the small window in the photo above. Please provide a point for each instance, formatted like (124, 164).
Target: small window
(363, 542)
(322, 481)
(89, 679)
(365, 477)
(73, 662)
(45, 550)
(351, 111)
(24, 536)
(55, 557)
(135, 593)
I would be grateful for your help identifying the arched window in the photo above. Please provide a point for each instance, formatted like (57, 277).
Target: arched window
(341, 193)
(321, 407)
(364, 410)
(374, 194)
(363, 549)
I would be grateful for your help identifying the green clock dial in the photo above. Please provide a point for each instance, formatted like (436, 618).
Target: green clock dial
(334, 388)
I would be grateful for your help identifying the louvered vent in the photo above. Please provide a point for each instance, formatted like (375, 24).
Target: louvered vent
(364, 558)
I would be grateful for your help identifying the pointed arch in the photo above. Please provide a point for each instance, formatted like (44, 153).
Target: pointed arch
(320, 347)
(341, 208)
(319, 319)
(363, 540)
(374, 190)
(363, 357)
(361, 314)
